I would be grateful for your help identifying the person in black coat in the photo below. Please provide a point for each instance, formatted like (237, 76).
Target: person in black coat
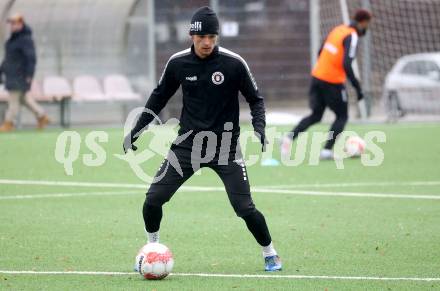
(18, 68)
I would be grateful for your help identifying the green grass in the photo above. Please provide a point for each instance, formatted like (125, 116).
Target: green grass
(315, 235)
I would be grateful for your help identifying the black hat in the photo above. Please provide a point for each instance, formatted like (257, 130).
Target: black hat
(204, 21)
(362, 15)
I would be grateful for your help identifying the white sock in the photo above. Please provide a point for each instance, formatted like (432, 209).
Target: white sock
(153, 237)
(286, 146)
(269, 251)
(326, 152)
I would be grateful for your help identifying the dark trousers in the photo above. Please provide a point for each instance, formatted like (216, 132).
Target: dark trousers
(231, 170)
(322, 95)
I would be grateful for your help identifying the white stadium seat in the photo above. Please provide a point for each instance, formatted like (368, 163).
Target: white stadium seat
(57, 87)
(36, 92)
(118, 88)
(87, 88)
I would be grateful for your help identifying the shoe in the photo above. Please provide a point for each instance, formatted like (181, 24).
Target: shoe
(329, 155)
(326, 155)
(43, 121)
(272, 264)
(286, 146)
(401, 113)
(7, 126)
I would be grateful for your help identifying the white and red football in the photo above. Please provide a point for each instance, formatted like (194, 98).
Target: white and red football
(354, 146)
(154, 261)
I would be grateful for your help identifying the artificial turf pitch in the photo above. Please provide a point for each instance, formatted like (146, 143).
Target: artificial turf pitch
(381, 228)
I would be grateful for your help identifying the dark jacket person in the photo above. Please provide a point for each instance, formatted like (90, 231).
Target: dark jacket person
(18, 68)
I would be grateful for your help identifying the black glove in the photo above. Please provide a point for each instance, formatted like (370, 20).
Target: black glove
(262, 136)
(360, 95)
(129, 141)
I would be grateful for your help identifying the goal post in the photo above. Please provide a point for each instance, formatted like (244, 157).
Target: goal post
(316, 38)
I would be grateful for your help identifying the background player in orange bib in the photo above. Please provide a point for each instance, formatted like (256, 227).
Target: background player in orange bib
(333, 67)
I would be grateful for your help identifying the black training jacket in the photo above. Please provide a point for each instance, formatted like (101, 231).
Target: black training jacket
(210, 89)
(20, 60)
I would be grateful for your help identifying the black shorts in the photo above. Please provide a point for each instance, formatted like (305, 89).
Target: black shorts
(231, 170)
(323, 94)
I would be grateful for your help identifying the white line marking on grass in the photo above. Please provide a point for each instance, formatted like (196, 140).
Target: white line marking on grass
(347, 194)
(356, 184)
(63, 195)
(307, 277)
(144, 186)
(254, 190)
(218, 189)
(256, 276)
(75, 184)
(65, 273)
(99, 185)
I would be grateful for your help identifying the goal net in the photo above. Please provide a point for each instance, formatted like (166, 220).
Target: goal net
(399, 59)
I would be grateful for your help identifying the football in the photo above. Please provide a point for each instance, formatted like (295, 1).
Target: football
(154, 261)
(354, 146)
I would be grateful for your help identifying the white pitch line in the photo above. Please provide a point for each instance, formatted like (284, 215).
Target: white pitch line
(322, 277)
(63, 195)
(254, 190)
(346, 194)
(68, 183)
(98, 185)
(255, 276)
(144, 186)
(356, 184)
(221, 189)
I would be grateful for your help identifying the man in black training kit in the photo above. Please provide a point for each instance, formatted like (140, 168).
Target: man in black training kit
(211, 78)
(328, 77)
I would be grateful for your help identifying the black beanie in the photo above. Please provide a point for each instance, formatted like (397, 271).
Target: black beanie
(204, 21)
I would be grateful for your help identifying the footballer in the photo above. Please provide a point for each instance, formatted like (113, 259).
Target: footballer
(211, 78)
